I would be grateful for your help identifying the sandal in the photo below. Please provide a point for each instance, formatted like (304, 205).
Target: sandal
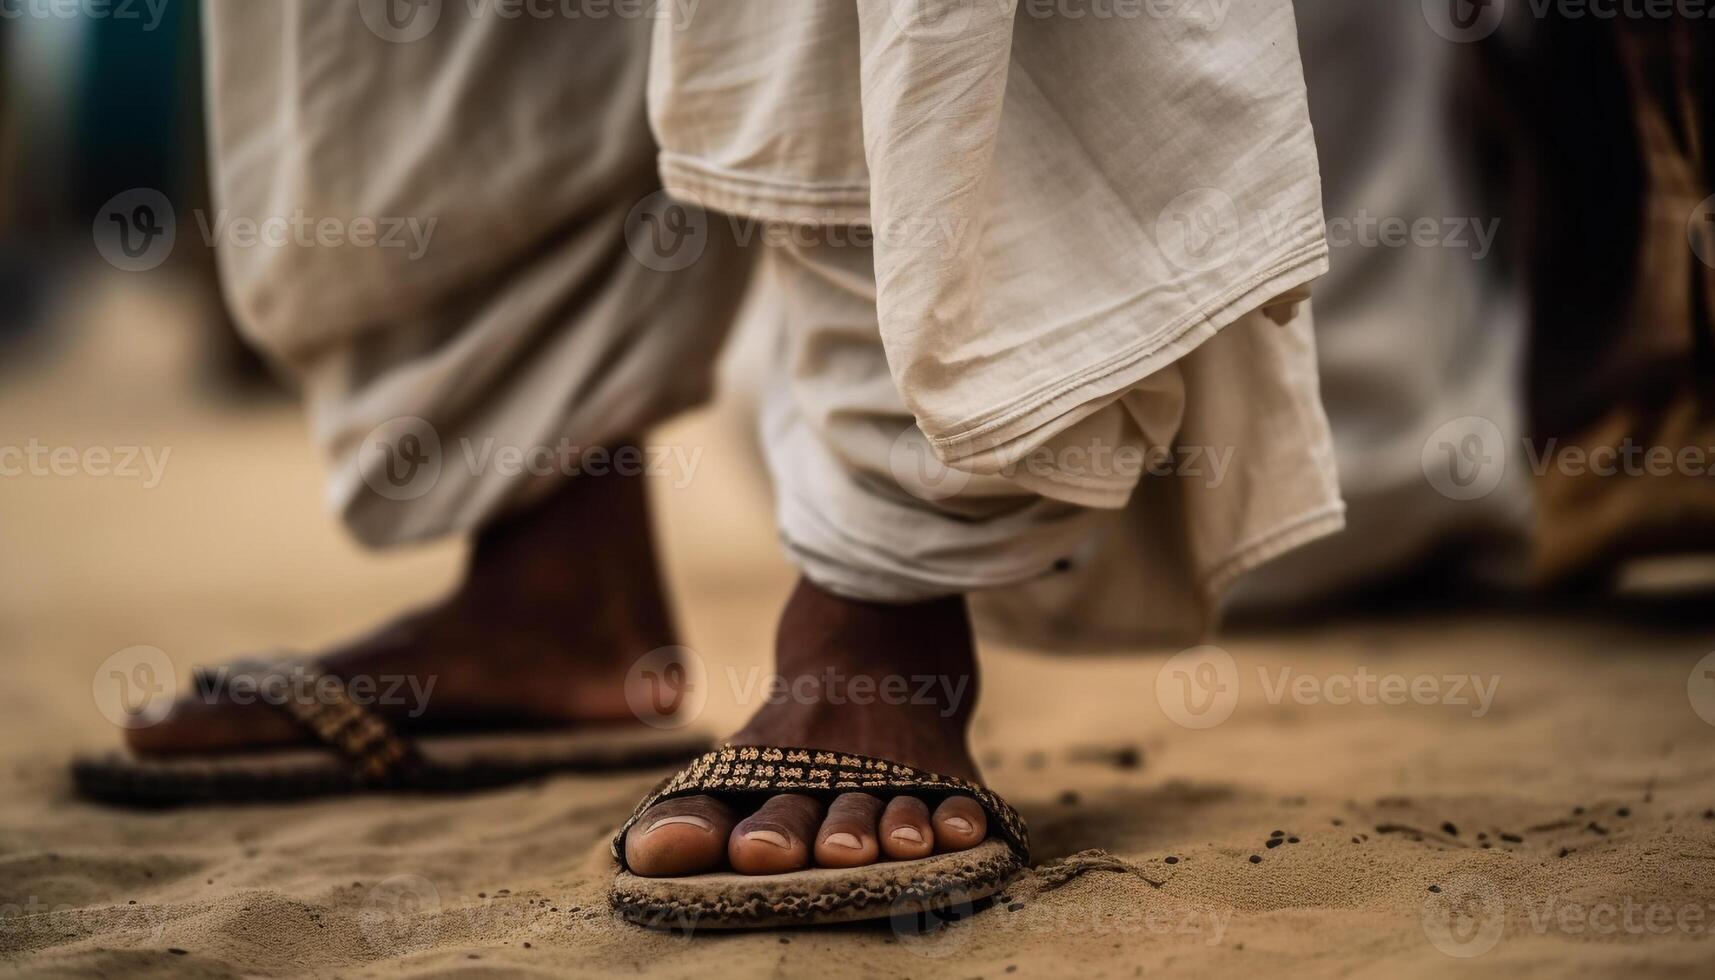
(361, 752)
(818, 896)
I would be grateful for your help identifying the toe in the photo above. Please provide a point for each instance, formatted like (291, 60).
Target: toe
(776, 838)
(905, 830)
(685, 836)
(847, 837)
(959, 824)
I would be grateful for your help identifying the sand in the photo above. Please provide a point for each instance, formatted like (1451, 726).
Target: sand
(1565, 817)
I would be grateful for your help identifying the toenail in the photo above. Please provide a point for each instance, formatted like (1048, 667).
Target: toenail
(959, 824)
(843, 840)
(908, 834)
(685, 819)
(769, 837)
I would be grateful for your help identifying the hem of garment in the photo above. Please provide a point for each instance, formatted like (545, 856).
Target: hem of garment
(734, 192)
(1330, 518)
(899, 586)
(1126, 368)
(1039, 635)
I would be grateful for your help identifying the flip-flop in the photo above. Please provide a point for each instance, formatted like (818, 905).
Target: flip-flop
(818, 896)
(361, 752)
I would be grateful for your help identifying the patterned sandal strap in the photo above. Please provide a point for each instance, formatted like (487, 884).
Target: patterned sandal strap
(766, 769)
(325, 708)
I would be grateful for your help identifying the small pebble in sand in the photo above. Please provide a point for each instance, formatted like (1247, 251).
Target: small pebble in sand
(1273, 842)
(1435, 888)
(1356, 841)
(1450, 828)
(1623, 811)
(526, 945)
(1709, 814)
(1481, 835)
(1171, 859)
(481, 894)
(1577, 811)
(784, 941)
(132, 902)
(1069, 798)
(1512, 838)
(1127, 757)
(1012, 968)
(1565, 851)
(1256, 859)
(1338, 822)
(1278, 833)
(1015, 906)
(1596, 828)
(179, 952)
(1292, 840)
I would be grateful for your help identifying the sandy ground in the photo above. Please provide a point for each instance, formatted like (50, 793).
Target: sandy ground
(1552, 776)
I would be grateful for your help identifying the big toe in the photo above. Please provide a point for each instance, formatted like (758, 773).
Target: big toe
(685, 836)
(776, 838)
(847, 836)
(960, 824)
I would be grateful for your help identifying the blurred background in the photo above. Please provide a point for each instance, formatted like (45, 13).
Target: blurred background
(1522, 286)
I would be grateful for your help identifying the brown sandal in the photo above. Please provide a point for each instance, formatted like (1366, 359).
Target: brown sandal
(819, 896)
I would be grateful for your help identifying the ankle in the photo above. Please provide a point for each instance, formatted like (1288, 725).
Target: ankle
(916, 661)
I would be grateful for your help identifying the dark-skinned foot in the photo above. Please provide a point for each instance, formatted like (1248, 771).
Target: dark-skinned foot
(536, 635)
(825, 644)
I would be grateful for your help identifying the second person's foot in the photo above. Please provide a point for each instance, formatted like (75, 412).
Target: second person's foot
(557, 603)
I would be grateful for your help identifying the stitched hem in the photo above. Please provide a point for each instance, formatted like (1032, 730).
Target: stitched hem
(765, 199)
(1124, 369)
(1271, 544)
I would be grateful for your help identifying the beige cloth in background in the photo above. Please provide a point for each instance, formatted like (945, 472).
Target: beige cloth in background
(1408, 339)
(1064, 216)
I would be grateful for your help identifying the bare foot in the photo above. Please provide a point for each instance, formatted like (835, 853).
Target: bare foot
(914, 669)
(556, 604)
